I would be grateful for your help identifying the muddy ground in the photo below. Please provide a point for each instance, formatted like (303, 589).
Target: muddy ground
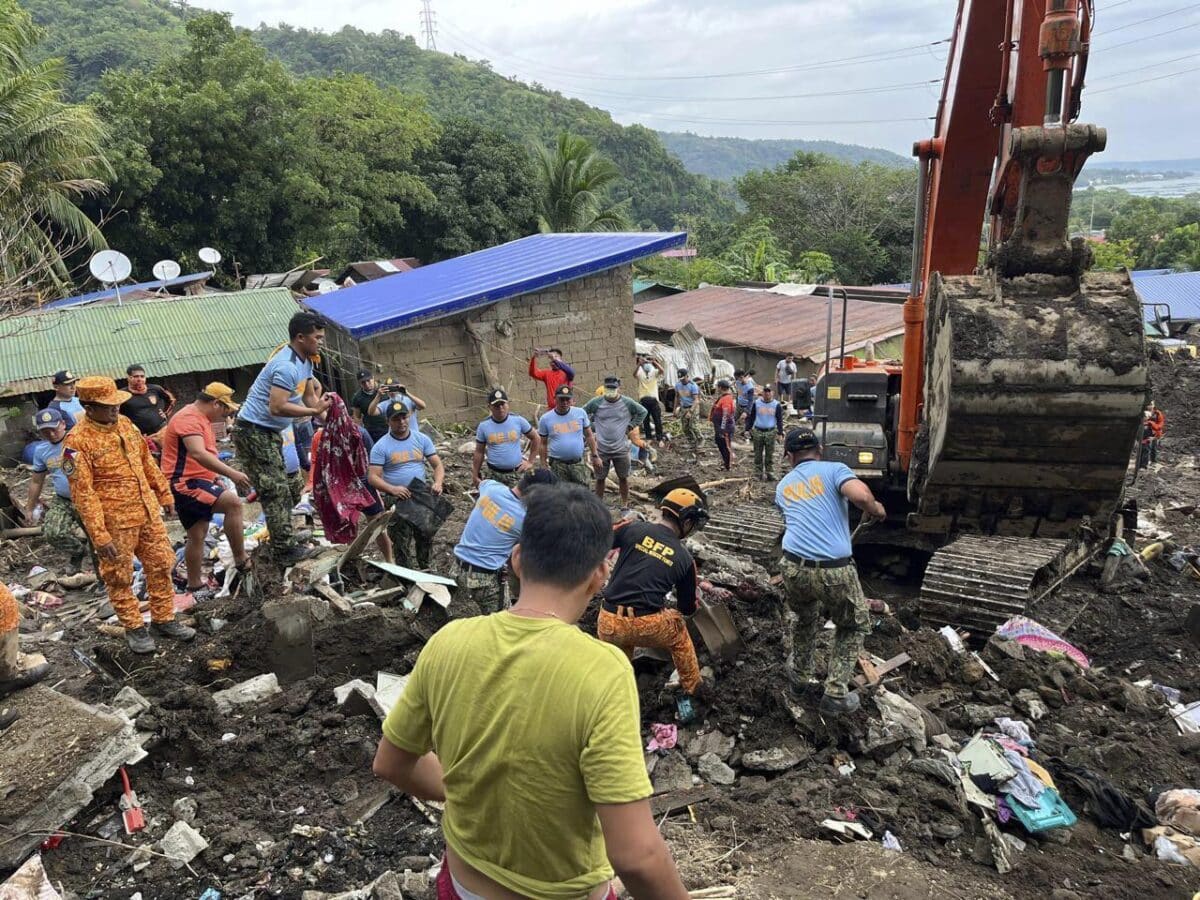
(284, 794)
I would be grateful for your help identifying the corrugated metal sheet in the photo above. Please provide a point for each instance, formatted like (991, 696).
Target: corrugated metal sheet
(171, 337)
(127, 289)
(764, 320)
(1180, 291)
(477, 279)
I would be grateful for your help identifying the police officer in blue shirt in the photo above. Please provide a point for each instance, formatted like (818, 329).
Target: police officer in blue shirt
(564, 432)
(819, 575)
(498, 438)
(65, 400)
(396, 462)
(61, 526)
(492, 530)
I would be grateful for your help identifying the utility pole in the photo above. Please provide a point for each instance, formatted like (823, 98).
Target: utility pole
(427, 24)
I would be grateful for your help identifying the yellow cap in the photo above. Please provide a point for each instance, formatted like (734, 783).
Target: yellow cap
(222, 393)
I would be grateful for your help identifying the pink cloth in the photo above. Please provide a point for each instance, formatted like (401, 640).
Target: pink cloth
(1033, 634)
(664, 738)
(340, 475)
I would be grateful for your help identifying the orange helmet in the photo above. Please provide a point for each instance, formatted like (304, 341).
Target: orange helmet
(687, 507)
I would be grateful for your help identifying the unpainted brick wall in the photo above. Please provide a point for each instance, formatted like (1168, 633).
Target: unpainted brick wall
(589, 319)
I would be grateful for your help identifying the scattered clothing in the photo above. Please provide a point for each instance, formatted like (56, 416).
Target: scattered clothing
(664, 737)
(1032, 634)
(340, 490)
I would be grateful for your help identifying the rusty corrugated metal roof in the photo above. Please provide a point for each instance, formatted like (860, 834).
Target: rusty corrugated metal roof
(774, 322)
(169, 337)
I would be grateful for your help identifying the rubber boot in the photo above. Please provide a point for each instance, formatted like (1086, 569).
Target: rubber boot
(15, 677)
(139, 640)
(173, 629)
(836, 706)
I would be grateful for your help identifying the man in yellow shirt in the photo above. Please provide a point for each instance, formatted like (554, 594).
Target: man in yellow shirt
(529, 730)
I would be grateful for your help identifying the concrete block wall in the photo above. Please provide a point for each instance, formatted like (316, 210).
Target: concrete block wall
(590, 319)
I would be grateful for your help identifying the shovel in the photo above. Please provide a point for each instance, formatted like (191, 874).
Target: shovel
(715, 624)
(131, 807)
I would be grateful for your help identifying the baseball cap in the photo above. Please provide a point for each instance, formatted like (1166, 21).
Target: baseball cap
(497, 396)
(222, 393)
(799, 439)
(48, 418)
(396, 410)
(364, 374)
(767, 387)
(723, 384)
(564, 390)
(681, 372)
(66, 376)
(612, 381)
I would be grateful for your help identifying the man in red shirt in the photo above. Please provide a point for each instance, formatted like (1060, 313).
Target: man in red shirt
(558, 374)
(724, 419)
(190, 464)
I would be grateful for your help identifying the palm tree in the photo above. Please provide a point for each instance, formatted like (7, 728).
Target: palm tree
(574, 181)
(50, 158)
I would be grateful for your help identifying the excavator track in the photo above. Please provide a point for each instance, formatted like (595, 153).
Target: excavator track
(978, 582)
(748, 529)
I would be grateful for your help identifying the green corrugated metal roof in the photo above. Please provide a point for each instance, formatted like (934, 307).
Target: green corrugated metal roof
(168, 337)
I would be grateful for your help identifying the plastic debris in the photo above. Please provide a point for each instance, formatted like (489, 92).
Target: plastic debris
(952, 638)
(1052, 812)
(900, 713)
(1028, 633)
(29, 882)
(890, 842)
(852, 830)
(663, 737)
(1187, 718)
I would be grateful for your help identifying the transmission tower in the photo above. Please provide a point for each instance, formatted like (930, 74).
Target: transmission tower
(428, 26)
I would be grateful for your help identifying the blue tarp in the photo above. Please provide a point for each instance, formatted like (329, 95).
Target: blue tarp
(126, 288)
(477, 279)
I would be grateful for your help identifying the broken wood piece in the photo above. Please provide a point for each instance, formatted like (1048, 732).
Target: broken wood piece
(709, 485)
(380, 594)
(439, 592)
(311, 570)
(416, 596)
(427, 809)
(21, 532)
(369, 802)
(336, 600)
(894, 663)
(366, 533)
(718, 892)
(869, 670)
(673, 801)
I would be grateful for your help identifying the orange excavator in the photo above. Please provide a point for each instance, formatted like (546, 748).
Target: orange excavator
(1004, 438)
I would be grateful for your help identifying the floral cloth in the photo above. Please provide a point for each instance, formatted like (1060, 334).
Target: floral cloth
(340, 475)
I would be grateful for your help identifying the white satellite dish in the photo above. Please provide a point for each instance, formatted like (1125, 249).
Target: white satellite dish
(110, 266)
(325, 286)
(209, 255)
(166, 269)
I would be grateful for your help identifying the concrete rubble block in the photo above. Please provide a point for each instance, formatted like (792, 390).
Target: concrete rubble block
(256, 690)
(357, 698)
(130, 702)
(672, 774)
(776, 759)
(713, 770)
(291, 653)
(185, 809)
(182, 843)
(63, 751)
(897, 711)
(710, 742)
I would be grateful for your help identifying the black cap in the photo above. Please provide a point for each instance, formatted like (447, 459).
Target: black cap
(364, 374)
(497, 396)
(66, 376)
(536, 477)
(767, 387)
(799, 440)
(724, 384)
(680, 372)
(564, 390)
(612, 381)
(396, 410)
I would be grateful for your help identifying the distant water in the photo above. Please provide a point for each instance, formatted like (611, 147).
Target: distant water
(1167, 187)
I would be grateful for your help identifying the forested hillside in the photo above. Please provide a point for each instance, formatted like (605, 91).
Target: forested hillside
(726, 158)
(95, 35)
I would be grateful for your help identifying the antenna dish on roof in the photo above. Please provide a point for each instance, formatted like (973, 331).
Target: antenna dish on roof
(166, 269)
(209, 255)
(110, 266)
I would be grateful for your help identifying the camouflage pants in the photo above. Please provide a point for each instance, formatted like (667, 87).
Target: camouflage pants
(573, 473)
(764, 451)
(260, 456)
(63, 528)
(482, 589)
(509, 479)
(411, 548)
(691, 429)
(814, 594)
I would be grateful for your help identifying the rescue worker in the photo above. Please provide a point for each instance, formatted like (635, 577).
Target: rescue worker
(15, 672)
(746, 390)
(493, 528)
(119, 491)
(498, 439)
(392, 391)
(765, 427)
(724, 417)
(193, 470)
(285, 390)
(554, 377)
(687, 395)
(614, 417)
(648, 373)
(65, 400)
(652, 562)
(397, 460)
(564, 431)
(61, 525)
(819, 576)
(1155, 423)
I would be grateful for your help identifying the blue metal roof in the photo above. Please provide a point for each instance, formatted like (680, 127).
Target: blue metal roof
(477, 279)
(126, 288)
(1180, 291)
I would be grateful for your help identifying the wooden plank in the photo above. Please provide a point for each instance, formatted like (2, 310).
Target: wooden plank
(892, 664)
(340, 603)
(868, 667)
(673, 801)
(366, 533)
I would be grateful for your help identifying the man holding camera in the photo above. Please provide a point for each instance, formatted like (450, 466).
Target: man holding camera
(392, 391)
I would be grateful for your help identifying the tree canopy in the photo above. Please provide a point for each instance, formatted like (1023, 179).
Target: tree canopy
(573, 188)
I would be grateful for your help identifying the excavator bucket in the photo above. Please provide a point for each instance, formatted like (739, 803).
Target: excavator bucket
(1034, 392)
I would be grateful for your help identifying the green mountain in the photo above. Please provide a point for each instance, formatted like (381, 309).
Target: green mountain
(726, 158)
(96, 35)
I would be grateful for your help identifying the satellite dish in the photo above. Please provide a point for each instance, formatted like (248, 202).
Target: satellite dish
(166, 269)
(324, 286)
(110, 266)
(209, 255)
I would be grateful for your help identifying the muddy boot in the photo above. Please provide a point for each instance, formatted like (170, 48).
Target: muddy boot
(173, 629)
(24, 679)
(139, 640)
(7, 717)
(294, 555)
(836, 706)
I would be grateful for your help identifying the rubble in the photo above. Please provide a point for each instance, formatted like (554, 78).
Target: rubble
(181, 844)
(255, 690)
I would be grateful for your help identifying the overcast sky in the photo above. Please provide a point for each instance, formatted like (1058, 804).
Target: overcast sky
(615, 54)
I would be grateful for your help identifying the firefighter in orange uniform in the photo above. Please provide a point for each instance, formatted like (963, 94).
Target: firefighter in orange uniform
(119, 490)
(15, 670)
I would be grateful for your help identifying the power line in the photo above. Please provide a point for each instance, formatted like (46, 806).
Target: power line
(880, 89)
(1165, 62)
(1148, 37)
(1151, 18)
(427, 25)
(1117, 87)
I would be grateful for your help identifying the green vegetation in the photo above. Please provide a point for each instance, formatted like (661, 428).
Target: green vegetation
(50, 159)
(727, 158)
(573, 184)
(1152, 232)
